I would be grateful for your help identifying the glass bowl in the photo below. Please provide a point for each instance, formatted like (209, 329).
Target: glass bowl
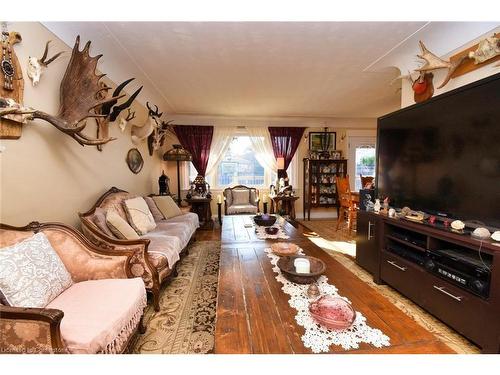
(332, 312)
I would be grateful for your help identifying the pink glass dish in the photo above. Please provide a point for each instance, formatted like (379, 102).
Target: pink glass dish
(332, 312)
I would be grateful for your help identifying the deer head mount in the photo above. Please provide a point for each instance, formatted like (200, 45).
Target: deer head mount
(154, 130)
(432, 62)
(36, 66)
(83, 97)
(123, 122)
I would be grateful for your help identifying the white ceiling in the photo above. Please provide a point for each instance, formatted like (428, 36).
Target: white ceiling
(310, 69)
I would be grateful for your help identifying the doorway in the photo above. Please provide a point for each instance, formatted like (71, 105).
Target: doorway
(362, 158)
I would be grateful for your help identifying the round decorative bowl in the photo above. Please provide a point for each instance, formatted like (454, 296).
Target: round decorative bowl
(264, 220)
(332, 312)
(284, 248)
(271, 230)
(287, 267)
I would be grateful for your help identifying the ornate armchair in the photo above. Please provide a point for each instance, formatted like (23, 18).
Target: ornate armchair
(100, 312)
(241, 199)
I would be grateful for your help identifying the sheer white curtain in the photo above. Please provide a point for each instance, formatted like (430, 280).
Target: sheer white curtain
(220, 142)
(261, 143)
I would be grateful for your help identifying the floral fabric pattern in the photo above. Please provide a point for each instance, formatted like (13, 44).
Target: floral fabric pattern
(31, 273)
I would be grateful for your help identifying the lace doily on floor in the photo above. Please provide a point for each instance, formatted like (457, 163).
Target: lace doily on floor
(319, 338)
(262, 235)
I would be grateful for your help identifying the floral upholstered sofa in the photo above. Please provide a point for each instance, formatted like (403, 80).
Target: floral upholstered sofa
(62, 294)
(161, 247)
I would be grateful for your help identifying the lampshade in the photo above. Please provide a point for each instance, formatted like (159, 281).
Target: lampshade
(281, 163)
(177, 153)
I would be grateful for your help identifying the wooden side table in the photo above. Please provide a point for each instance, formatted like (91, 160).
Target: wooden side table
(202, 207)
(285, 203)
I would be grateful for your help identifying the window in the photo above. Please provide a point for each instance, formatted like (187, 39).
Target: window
(237, 167)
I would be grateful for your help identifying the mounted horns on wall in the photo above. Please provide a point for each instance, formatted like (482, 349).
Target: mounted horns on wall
(83, 97)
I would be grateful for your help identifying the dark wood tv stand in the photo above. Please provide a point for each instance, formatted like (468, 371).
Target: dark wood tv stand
(475, 317)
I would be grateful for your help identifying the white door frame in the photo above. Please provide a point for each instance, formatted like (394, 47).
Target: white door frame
(352, 142)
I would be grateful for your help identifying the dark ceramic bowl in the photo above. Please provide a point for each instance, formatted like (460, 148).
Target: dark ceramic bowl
(264, 220)
(287, 267)
(271, 230)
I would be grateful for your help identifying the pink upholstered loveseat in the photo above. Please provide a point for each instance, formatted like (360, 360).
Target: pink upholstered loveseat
(160, 249)
(99, 313)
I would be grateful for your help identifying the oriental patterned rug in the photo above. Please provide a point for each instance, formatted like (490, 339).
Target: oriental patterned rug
(185, 323)
(342, 246)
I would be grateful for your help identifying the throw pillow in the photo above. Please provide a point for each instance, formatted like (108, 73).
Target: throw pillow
(167, 206)
(139, 216)
(241, 197)
(157, 215)
(120, 228)
(100, 221)
(31, 273)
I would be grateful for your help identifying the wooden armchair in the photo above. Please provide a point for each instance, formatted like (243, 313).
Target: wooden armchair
(101, 277)
(241, 199)
(347, 202)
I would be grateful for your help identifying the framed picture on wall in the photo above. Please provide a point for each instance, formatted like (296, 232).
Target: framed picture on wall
(322, 141)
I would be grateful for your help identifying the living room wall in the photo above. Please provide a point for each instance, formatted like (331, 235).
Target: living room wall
(46, 175)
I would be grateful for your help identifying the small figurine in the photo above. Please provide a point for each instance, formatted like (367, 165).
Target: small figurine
(377, 206)
(432, 219)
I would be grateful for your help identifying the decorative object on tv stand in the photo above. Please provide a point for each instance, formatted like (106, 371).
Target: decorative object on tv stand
(134, 160)
(177, 154)
(457, 225)
(377, 205)
(82, 98)
(36, 66)
(11, 84)
(163, 182)
(481, 233)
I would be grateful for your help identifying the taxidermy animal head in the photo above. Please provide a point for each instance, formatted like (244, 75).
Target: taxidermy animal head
(423, 87)
(82, 97)
(157, 137)
(486, 50)
(122, 123)
(36, 66)
(140, 133)
(432, 62)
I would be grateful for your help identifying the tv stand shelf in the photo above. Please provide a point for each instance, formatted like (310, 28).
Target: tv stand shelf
(397, 252)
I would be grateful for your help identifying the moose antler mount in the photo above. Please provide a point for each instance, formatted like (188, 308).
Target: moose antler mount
(83, 97)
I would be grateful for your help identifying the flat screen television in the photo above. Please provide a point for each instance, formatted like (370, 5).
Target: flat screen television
(443, 156)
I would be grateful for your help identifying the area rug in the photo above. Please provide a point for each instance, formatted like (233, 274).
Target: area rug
(342, 246)
(185, 323)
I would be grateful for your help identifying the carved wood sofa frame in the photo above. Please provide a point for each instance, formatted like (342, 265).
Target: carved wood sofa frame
(50, 319)
(148, 271)
(241, 187)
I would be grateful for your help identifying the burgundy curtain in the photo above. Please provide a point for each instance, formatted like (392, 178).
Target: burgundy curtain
(197, 140)
(285, 142)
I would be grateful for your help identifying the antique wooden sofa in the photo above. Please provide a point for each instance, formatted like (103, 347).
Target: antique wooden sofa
(160, 249)
(101, 312)
(241, 199)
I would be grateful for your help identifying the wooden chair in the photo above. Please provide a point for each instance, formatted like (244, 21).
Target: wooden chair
(347, 202)
(366, 180)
